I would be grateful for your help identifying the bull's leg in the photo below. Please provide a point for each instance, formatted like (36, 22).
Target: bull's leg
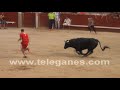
(84, 53)
(90, 52)
(78, 52)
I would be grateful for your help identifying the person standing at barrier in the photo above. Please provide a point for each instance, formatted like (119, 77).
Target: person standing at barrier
(2, 21)
(57, 20)
(25, 41)
(51, 17)
(91, 25)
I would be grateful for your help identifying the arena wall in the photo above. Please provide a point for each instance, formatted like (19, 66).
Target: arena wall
(28, 20)
(82, 20)
(11, 16)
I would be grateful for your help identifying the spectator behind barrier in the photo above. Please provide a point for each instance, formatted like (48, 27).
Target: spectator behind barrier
(67, 21)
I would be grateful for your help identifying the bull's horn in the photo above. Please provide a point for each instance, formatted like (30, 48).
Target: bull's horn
(67, 41)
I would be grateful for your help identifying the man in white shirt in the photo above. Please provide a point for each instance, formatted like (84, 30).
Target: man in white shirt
(57, 20)
(67, 21)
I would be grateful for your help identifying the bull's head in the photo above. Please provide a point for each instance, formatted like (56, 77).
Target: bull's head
(67, 44)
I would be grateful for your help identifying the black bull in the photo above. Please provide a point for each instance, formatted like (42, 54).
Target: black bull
(80, 44)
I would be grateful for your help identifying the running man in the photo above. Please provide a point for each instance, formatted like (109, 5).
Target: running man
(91, 25)
(25, 41)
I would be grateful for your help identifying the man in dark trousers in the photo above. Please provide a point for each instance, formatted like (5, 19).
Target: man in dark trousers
(51, 17)
(91, 25)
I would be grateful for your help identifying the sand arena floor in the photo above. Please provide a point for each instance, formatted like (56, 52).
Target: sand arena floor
(46, 44)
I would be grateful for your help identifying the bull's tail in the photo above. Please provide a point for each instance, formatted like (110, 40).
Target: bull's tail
(103, 47)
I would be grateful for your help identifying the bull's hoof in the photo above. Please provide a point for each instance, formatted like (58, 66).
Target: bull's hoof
(25, 57)
(78, 53)
(84, 56)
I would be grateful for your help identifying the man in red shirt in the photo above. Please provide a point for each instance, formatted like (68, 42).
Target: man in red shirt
(25, 41)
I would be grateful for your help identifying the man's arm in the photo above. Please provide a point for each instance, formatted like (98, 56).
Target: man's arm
(19, 39)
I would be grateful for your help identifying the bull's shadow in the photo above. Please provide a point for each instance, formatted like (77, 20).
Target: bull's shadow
(62, 54)
(75, 55)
